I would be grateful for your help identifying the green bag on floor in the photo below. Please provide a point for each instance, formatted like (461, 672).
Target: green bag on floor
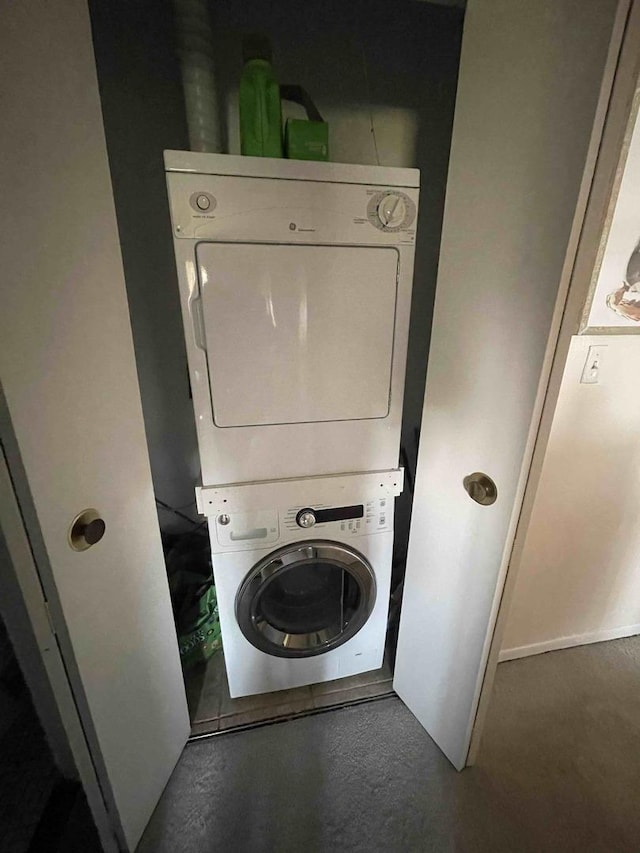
(199, 636)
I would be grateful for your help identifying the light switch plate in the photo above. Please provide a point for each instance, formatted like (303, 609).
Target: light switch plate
(593, 364)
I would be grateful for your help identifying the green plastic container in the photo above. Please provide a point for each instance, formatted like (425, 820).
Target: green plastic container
(306, 140)
(260, 106)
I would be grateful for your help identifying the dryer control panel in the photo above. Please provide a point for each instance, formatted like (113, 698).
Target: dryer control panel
(227, 198)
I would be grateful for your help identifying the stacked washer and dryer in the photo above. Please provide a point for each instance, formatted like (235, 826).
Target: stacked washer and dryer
(295, 286)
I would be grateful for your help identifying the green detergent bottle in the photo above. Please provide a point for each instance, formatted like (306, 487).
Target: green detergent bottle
(260, 108)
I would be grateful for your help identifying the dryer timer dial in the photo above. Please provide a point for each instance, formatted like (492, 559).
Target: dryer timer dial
(391, 211)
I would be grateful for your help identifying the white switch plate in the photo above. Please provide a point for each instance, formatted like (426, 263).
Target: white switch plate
(593, 364)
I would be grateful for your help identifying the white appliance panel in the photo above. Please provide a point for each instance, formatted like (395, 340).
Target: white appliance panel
(296, 334)
(243, 533)
(252, 671)
(336, 423)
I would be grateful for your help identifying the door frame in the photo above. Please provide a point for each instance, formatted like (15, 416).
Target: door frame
(27, 551)
(37, 638)
(607, 147)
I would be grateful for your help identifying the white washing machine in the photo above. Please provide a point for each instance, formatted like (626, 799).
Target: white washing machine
(295, 282)
(302, 571)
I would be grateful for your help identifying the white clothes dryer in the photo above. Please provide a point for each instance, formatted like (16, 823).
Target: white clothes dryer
(303, 573)
(295, 283)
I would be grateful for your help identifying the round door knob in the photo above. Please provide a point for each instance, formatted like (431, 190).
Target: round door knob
(306, 518)
(94, 531)
(87, 529)
(480, 488)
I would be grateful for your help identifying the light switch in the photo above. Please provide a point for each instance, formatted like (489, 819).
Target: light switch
(593, 364)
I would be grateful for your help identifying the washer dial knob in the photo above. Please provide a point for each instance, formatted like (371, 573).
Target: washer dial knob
(306, 518)
(391, 210)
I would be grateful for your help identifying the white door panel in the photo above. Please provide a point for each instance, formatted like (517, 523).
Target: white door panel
(297, 334)
(69, 377)
(527, 94)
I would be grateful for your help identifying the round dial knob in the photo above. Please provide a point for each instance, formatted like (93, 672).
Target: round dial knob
(305, 518)
(392, 210)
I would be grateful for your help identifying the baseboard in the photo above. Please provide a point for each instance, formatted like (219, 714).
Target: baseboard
(568, 642)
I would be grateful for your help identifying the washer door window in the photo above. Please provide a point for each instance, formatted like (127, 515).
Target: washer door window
(306, 599)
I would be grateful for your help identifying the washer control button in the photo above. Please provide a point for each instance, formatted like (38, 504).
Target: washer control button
(203, 202)
(223, 519)
(306, 518)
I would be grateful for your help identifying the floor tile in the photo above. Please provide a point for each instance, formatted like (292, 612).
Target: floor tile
(352, 694)
(206, 727)
(212, 708)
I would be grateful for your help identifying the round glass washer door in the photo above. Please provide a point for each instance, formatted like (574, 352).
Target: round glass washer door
(305, 599)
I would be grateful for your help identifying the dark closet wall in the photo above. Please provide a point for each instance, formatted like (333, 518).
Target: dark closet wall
(383, 75)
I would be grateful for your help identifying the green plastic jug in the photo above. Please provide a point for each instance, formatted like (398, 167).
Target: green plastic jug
(260, 108)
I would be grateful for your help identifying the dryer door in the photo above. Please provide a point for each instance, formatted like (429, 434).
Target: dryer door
(305, 599)
(298, 334)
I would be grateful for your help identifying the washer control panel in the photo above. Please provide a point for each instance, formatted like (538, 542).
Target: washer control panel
(357, 519)
(240, 531)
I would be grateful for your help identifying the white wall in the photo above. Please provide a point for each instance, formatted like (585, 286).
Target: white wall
(579, 580)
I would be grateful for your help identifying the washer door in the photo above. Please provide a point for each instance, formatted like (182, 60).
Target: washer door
(305, 599)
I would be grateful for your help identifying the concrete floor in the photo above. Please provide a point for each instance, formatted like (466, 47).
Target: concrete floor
(559, 770)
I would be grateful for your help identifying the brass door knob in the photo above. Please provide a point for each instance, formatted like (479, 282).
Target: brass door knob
(87, 528)
(480, 488)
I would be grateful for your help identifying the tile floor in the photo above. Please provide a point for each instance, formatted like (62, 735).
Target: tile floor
(213, 710)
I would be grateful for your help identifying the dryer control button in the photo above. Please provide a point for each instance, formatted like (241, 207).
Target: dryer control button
(202, 202)
(306, 518)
